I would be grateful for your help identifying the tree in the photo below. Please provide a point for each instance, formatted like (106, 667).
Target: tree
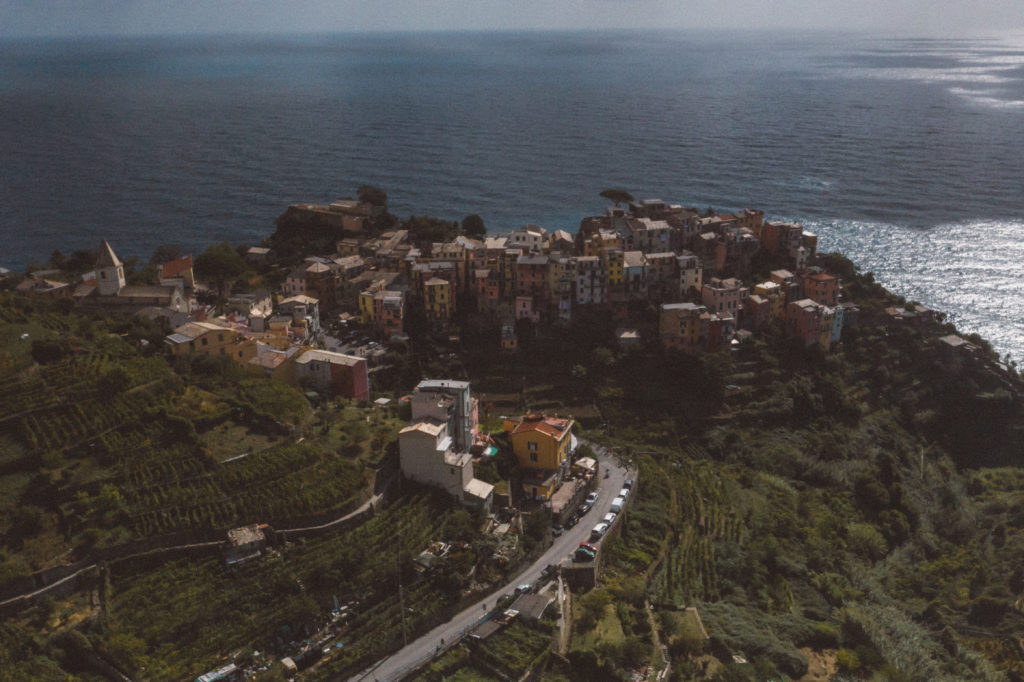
(219, 264)
(372, 195)
(618, 196)
(81, 260)
(164, 254)
(473, 226)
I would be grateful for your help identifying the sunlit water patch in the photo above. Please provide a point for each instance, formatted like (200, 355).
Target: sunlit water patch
(974, 271)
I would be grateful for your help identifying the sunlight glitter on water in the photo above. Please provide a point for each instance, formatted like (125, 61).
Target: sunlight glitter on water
(974, 271)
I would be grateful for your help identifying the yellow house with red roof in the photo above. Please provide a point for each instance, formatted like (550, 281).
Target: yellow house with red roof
(542, 446)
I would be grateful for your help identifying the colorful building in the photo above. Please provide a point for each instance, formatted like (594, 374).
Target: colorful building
(679, 326)
(438, 300)
(336, 373)
(543, 446)
(207, 338)
(821, 287)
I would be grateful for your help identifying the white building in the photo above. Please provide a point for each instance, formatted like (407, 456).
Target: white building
(434, 447)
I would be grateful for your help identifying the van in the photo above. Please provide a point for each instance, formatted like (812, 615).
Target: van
(617, 504)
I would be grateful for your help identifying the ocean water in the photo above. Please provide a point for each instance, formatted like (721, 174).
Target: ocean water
(907, 155)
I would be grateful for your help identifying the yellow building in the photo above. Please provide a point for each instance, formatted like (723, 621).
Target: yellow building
(366, 307)
(206, 338)
(438, 300)
(776, 297)
(614, 264)
(542, 446)
(508, 271)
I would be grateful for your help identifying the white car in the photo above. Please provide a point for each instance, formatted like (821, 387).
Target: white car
(599, 531)
(610, 517)
(624, 493)
(591, 498)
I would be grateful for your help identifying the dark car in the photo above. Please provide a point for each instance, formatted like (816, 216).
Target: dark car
(556, 529)
(628, 484)
(584, 554)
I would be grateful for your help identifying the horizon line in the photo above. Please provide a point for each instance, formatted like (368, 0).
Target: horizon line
(766, 32)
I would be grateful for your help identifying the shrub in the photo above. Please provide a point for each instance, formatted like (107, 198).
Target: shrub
(866, 541)
(847, 661)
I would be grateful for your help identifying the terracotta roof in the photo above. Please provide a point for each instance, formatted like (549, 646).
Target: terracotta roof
(550, 426)
(176, 266)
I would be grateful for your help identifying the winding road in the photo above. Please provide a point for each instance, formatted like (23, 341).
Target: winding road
(416, 653)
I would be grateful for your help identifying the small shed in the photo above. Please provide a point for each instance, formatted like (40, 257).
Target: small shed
(244, 543)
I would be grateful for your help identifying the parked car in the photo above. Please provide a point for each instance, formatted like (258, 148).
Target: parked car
(624, 493)
(549, 571)
(556, 529)
(572, 521)
(584, 554)
(599, 530)
(521, 589)
(610, 517)
(591, 498)
(589, 546)
(617, 504)
(628, 484)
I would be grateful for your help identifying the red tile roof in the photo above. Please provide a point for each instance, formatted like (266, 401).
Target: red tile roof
(176, 266)
(550, 426)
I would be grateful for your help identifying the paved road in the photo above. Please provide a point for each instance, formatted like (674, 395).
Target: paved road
(417, 652)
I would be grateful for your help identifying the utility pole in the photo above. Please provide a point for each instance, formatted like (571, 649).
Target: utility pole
(401, 595)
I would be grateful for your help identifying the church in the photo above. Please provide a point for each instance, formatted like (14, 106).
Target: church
(107, 289)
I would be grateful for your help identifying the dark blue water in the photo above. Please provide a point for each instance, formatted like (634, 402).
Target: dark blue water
(905, 154)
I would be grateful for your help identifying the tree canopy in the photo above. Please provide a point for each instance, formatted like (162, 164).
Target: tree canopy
(220, 264)
(372, 195)
(618, 196)
(473, 226)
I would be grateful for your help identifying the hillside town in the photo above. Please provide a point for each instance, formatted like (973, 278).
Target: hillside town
(524, 424)
(336, 311)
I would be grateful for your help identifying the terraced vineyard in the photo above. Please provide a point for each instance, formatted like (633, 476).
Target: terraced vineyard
(119, 435)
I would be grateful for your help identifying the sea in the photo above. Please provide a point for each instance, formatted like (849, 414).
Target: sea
(905, 154)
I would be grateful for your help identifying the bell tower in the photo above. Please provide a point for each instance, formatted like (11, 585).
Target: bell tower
(109, 271)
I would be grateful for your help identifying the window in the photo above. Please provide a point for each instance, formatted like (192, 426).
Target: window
(533, 456)
(531, 446)
(220, 337)
(205, 341)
